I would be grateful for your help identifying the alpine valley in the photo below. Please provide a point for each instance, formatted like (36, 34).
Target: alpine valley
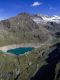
(40, 32)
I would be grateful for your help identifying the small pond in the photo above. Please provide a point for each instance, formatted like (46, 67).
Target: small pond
(19, 51)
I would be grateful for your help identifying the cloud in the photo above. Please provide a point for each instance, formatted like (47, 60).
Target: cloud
(52, 8)
(37, 3)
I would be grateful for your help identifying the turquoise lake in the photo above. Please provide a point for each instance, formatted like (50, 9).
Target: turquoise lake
(19, 51)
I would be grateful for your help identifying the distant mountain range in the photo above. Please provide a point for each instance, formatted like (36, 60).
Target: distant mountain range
(49, 18)
(46, 20)
(29, 28)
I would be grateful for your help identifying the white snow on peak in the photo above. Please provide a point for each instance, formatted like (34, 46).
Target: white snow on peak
(52, 18)
(37, 20)
(44, 19)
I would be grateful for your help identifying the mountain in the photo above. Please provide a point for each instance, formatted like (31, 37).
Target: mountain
(42, 62)
(53, 20)
(15, 30)
(40, 28)
(51, 23)
(46, 18)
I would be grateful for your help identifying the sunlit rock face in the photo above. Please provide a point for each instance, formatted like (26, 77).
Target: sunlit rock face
(40, 28)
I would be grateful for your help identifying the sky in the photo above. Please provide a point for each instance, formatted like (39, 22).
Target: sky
(9, 8)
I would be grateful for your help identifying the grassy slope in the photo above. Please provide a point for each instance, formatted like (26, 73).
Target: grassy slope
(26, 65)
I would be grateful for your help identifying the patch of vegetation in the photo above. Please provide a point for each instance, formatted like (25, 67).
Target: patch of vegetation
(25, 66)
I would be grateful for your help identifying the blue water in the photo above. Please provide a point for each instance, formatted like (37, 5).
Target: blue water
(18, 51)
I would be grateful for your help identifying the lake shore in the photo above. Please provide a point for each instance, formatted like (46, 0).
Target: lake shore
(8, 47)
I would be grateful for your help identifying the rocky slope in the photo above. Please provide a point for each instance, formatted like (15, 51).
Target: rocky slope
(49, 22)
(42, 63)
(45, 60)
(15, 29)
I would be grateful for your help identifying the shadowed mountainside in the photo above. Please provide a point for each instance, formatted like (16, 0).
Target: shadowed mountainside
(47, 72)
